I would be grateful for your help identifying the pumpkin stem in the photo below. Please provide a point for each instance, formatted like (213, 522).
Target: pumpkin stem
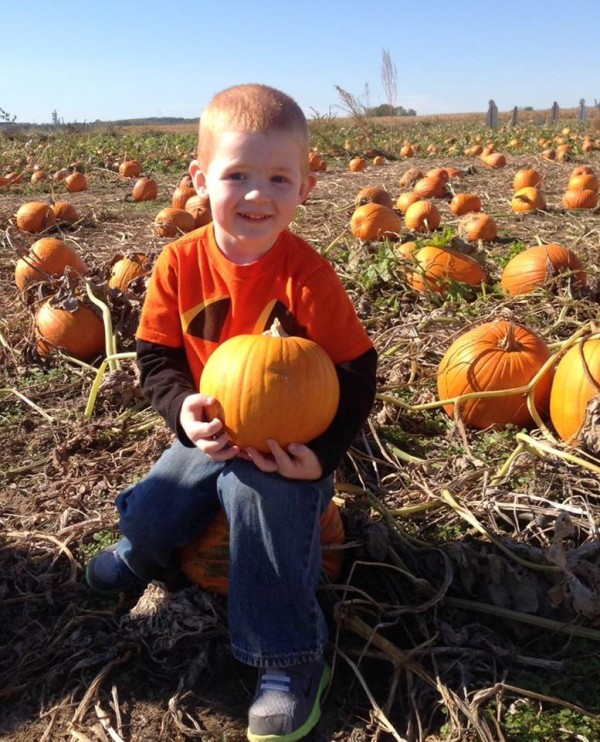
(276, 330)
(509, 343)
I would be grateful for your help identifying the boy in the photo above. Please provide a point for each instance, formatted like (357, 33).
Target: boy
(231, 277)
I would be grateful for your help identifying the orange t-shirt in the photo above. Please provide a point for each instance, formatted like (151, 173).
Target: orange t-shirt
(197, 298)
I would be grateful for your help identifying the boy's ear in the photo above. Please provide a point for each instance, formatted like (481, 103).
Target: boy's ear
(198, 179)
(307, 185)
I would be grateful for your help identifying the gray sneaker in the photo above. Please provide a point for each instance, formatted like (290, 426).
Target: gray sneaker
(287, 702)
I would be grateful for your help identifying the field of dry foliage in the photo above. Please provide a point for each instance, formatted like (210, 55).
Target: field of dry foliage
(469, 606)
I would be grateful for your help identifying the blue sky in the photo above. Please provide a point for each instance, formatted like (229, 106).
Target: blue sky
(91, 59)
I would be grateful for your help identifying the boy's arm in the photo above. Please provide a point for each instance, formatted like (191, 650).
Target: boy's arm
(166, 381)
(357, 394)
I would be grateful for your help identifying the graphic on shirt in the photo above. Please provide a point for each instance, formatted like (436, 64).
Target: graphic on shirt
(206, 321)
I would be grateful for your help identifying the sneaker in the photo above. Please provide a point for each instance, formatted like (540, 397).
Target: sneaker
(108, 573)
(287, 703)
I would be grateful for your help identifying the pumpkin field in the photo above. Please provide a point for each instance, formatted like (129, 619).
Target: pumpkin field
(468, 604)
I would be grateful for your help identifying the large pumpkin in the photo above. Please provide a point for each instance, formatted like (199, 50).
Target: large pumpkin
(271, 386)
(539, 266)
(422, 216)
(373, 195)
(527, 199)
(80, 333)
(375, 222)
(171, 222)
(206, 560)
(47, 257)
(490, 357)
(439, 266)
(576, 382)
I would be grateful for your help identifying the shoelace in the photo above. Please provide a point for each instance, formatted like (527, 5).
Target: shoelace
(276, 682)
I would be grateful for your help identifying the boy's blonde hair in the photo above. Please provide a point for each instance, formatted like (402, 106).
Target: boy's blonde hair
(252, 108)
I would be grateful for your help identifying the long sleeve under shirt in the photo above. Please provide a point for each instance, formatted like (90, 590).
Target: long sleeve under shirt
(197, 299)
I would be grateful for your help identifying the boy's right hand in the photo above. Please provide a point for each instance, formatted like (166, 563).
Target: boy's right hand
(207, 435)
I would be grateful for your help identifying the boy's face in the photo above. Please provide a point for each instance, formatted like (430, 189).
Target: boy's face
(255, 182)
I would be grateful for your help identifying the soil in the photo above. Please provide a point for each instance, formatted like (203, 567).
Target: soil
(74, 665)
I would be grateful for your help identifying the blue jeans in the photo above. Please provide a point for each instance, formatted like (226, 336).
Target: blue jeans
(275, 550)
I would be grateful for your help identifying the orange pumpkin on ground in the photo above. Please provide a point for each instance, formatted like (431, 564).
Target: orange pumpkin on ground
(127, 268)
(375, 222)
(65, 213)
(576, 383)
(357, 164)
(47, 257)
(145, 189)
(373, 195)
(528, 199)
(206, 560)
(495, 356)
(80, 333)
(410, 177)
(171, 222)
(540, 265)
(76, 182)
(494, 160)
(584, 199)
(35, 216)
(257, 382)
(583, 182)
(199, 207)
(480, 226)
(405, 200)
(422, 216)
(438, 267)
(431, 186)
(181, 195)
(527, 177)
(130, 169)
(465, 203)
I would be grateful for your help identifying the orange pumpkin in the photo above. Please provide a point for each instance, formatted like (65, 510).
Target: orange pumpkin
(474, 227)
(528, 199)
(527, 177)
(539, 266)
(199, 207)
(405, 200)
(181, 195)
(145, 189)
(80, 333)
(405, 250)
(439, 266)
(173, 222)
(495, 356)
(65, 213)
(130, 169)
(585, 199)
(576, 382)
(316, 163)
(375, 222)
(407, 150)
(35, 216)
(47, 257)
(357, 164)
(583, 182)
(379, 160)
(422, 216)
(494, 160)
(465, 203)
(206, 560)
(76, 182)
(257, 382)
(373, 195)
(410, 177)
(431, 186)
(127, 268)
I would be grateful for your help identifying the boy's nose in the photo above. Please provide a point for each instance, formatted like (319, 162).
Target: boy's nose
(256, 193)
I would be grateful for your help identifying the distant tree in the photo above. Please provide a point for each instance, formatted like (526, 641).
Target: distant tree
(389, 78)
(6, 117)
(55, 120)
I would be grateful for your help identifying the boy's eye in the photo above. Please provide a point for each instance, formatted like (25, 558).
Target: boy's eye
(236, 176)
(279, 179)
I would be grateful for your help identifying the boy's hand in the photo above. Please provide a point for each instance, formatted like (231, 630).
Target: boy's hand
(207, 435)
(298, 462)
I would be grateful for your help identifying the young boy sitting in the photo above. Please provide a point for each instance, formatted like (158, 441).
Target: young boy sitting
(233, 277)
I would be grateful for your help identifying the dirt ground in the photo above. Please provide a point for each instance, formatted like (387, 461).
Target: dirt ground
(409, 647)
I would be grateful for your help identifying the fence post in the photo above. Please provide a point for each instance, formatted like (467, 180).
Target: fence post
(582, 112)
(491, 118)
(555, 111)
(515, 116)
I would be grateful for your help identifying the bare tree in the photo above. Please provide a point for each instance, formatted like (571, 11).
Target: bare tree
(389, 78)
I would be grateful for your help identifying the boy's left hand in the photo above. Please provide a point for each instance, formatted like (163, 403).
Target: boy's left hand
(297, 462)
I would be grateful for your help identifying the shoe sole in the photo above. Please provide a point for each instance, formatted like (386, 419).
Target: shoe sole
(310, 722)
